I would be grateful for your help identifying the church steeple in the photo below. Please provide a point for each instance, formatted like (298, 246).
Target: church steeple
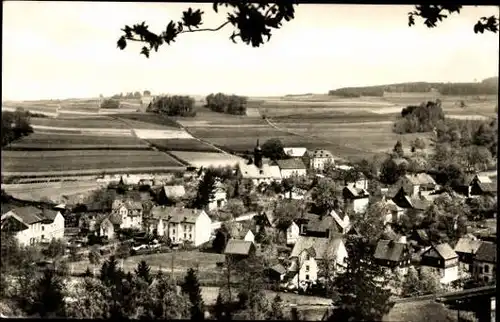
(257, 155)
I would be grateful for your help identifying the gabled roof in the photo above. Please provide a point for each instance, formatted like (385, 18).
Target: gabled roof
(321, 154)
(322, 246)
(467, 245)
(390, 250)
(420, 179)
(488, 186)
(442, 250)
(251, 171)
(50, 214)
(176, 214)
(278, 268)
(294, 152)
(482, 178)
(356, 192)
(419, 204)
(238, 247)
(487, 252)
(290, 164)
(341, 219)
(322, 224)
(29, 215)
(176, 191)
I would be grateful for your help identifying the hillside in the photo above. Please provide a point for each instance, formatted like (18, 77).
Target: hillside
(488, 86)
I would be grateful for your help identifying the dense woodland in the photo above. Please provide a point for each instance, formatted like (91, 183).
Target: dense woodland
(128, 95)
(175, 105)
(229, 104)
(488, 86)
(422, 118)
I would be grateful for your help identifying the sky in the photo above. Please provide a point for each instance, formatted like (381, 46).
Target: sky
(68, 50)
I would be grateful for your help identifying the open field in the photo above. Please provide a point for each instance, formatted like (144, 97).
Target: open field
(48, 161)
(149, 118)
(207, 159)
(84, 122)
(182, 145)
(70, 141)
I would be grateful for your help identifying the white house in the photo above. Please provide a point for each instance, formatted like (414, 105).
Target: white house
(129, 213)
(291, 167)
(415, 185)
(264, 174)
(308, 255)
(292, 233)
(182, 224)
(106, 228)
(355, 198)
(220, 198)
(319, 158)
(295, 152)
(32, 225)
(443, 260)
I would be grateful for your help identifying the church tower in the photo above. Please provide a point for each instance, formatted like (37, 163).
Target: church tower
(257, 155)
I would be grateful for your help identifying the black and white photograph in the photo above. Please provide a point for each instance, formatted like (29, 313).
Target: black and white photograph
(280, 161)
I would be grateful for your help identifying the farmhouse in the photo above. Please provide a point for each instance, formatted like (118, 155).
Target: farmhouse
(402, 200)
(485, 262)
(319, 158)
(168, 195)
(393, 255)
(128, 213)
(443, 259)
(181, 224)
(295, 152)
(291, 167)
(466, 248)
(32, 225)
(309, 253)
(355, 199)
(415, 185)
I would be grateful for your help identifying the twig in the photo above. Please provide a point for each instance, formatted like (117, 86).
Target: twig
(207, 29)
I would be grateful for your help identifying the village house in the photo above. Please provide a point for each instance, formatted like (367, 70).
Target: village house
(443, 259)
(276, 273)
(295, 152)
(485, 262)
(220, 198)
(181, 224)
(342, 220)
(257, 170)
(319, 158)
(31, 225)
(355, 199)
(402, 200)
(264, 220)
(294, 194)
(320, 226)
(169, 195)
(107, 228)
(308, 255)
(237, 250)
(482, 185)
(291, 167)
(466, 248)
(130, 213)
(394, 255)
(416, 185)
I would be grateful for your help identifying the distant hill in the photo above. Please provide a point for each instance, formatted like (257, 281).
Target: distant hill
(488, 86)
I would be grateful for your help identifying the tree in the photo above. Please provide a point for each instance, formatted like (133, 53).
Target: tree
(419, 143)
(253, 302)
(230, 104)
(175, 105)
(254, 21)
(324, 195)
(276, 311)
(48, 298)
(143, 271)
(390, 172)
(273, 149)
(235, 207)
(94, 257)
(191, 287)
(14, 126)
(110, 273)
(362, 292)
(370, 224)
(92, 300)
(56, 248)
(110, 103)
(398, 149)
(219, 307)
(206, 190)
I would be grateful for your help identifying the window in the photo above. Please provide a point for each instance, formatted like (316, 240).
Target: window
(307, 268)
(185, 236)
(480, 270)
(486, 279)
(43, 236)
(173, 231)
(307, 277)
(190, 236)
(185, 227)
(43, 228)
(486, 269)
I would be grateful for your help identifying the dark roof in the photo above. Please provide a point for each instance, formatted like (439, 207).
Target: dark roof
(356, 192)
(6, 207)
(238, 247)
(29, 215)
(390, 250)
(322, 224)
(322, 154)
(50, 214)
(293, 163)
(487, 252)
